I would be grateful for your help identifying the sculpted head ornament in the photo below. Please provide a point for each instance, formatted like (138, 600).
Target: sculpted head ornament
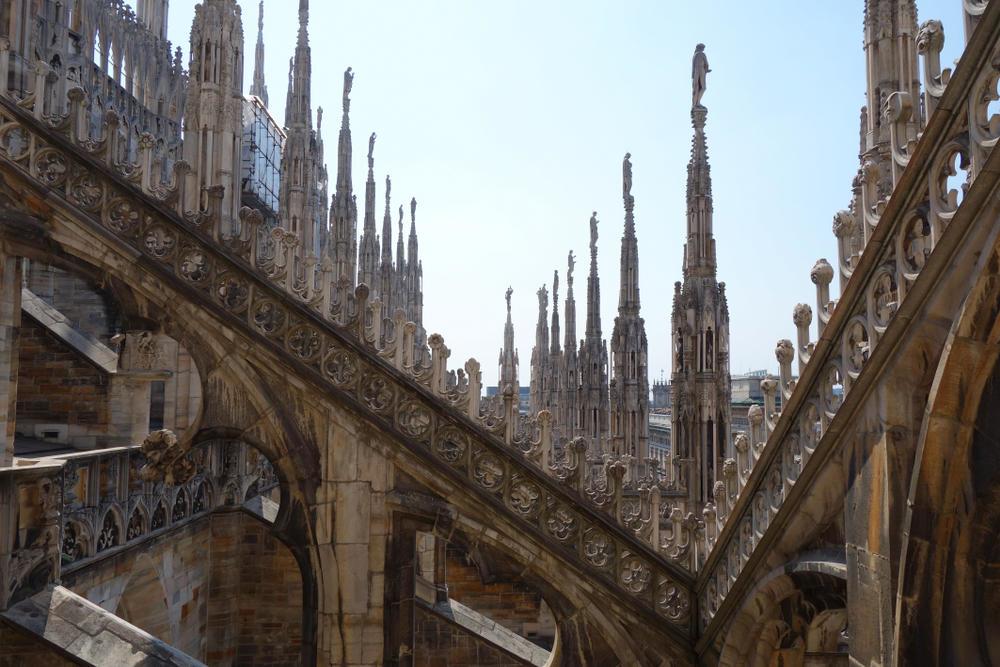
(822, 273)
(784, 351)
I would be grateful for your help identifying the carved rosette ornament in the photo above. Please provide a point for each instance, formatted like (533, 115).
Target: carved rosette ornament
(634, 574)
(122, 217)
(304, 342)
(232, 292)
(340, 367)
(525, 497)
(488, 470)
(159, 242)
(598, 548)
(269, 318)
(51, 167)
(377, 393)
(166, 458)
(451, 445)
(561, 522)
(193, 265)
(414, 420)
(15, 141)
(672, 601)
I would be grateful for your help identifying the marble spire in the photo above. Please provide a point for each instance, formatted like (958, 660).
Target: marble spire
(508, 361)
(344, 209)
(629, 348)
(368, 257)
(259, 87)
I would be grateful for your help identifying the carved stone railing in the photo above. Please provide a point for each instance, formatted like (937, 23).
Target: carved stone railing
(108, 502)
(73, 509)
(337, 340)
(905, 230)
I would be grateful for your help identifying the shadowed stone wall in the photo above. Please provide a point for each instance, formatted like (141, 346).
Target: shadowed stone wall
(221, 589)
(57, 386)
(89, 308)
(254, 595)
(512, 604)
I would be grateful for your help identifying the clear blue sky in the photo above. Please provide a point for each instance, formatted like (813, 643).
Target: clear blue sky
(508, 122)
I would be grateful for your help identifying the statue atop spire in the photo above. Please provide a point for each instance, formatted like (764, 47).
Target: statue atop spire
(593, 237)
(571, 264)
(510, 292)
(627, 181)
(699, 75)
(371, 150)
(348, 84)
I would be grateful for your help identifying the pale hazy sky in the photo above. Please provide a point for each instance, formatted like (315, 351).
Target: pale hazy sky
(508, 122)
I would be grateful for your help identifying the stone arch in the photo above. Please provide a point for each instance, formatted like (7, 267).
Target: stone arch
(77, 541)
(138, 522)
(181, 506)
(795, 610)
(144, 603)
(203, 496)
(952, 524)
(110, 530)
(586, 634)
(160, 518)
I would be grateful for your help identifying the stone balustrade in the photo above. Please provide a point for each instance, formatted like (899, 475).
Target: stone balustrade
(66, 510)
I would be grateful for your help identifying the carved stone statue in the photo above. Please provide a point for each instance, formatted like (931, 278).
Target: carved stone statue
(627, 177)
(510, 291)
(571, 262)
(371, 151)
(699, 74)
(593, 233)
(348, 82)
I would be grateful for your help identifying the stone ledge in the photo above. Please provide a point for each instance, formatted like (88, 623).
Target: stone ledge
(489, 631)
(89, 634)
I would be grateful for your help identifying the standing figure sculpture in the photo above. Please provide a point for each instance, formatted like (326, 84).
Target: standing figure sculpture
(627, 178)
(593, 234)
(348, 83)
(699, 74)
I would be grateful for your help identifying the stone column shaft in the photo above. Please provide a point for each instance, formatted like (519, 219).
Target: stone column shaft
(10, 323)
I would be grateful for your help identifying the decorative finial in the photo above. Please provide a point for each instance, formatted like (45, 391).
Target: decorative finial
(348, 83)
(699, 75)
(260, 16)
(593, 234)
(509, 292)
(627, 179)
(371, 150)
